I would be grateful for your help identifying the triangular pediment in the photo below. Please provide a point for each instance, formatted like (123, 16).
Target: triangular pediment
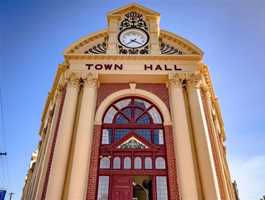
(98, 43)
(132, 143)
(133, 7)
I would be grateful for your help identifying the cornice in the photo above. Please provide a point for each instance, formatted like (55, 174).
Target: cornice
(205, 72)
(191, 57)
(55, 86)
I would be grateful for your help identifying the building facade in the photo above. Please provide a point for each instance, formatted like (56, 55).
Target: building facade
(132, 114)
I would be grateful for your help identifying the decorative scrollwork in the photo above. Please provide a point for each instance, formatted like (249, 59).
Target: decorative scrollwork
(98, 49)
(168, 49)
(123, 50)
(133, 20)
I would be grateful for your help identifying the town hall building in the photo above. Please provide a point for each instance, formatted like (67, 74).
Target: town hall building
(132, 115)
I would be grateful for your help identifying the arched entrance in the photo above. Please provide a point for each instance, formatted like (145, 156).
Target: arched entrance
(132, 159)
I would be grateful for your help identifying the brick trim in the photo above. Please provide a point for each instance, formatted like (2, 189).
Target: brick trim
(173, 186)
(93, 168)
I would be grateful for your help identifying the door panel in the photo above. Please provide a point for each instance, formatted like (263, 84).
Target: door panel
(121, 188)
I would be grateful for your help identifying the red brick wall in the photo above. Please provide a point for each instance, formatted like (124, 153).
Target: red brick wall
(158, 89)
(171, 165)
(93, 170)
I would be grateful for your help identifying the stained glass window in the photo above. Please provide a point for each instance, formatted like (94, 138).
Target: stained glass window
(132, 115)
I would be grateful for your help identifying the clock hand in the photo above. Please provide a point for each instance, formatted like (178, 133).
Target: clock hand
(137, 42)
(129, 42)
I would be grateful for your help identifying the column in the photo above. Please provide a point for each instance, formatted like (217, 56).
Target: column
(48, 139)
(84, 135)
(202, 140)
(62, 146)
(182, 140)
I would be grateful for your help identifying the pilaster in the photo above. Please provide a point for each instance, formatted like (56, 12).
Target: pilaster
(182, 139)
(58, 166)
(202, 140)
(83, 140)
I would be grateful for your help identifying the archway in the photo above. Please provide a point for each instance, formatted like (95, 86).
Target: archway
(132, 151)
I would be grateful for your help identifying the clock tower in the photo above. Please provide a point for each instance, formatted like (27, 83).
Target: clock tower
(132, 114)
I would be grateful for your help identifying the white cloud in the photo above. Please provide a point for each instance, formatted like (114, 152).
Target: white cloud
(250, 177)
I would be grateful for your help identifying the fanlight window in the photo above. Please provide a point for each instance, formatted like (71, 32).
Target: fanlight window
(104, 163)
(132, 114)
(160, 163)
(127, 163)
(116, 163)
(137, 163)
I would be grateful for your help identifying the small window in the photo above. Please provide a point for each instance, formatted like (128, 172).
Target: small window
(158, 136)
(106, 136)
(148, 163)
(137, 163)
(103, 188)
(116, 163)
(161, 188)
(160, 163)
(104, 163)
(127, 163)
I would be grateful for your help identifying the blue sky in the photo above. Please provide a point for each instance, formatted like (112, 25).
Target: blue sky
(231, 34)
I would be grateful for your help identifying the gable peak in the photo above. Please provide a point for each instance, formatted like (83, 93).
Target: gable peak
(133, 7)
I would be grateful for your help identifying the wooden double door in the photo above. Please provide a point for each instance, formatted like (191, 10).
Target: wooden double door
(130, 188)
(122, 188)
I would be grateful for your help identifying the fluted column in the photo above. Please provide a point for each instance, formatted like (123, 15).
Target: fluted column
(182, 140)
(63, 140)
(84, 134)
(202, 140)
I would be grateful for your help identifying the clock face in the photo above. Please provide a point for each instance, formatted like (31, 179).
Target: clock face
(133, 38)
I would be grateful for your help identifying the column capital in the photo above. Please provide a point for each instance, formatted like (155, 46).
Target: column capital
(194, 80)
(73, 80)
(90, 80)
(177, 79)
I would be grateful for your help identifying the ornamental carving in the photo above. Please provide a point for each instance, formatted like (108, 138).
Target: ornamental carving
(133, 20)
(168, 49)
(100, 48)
